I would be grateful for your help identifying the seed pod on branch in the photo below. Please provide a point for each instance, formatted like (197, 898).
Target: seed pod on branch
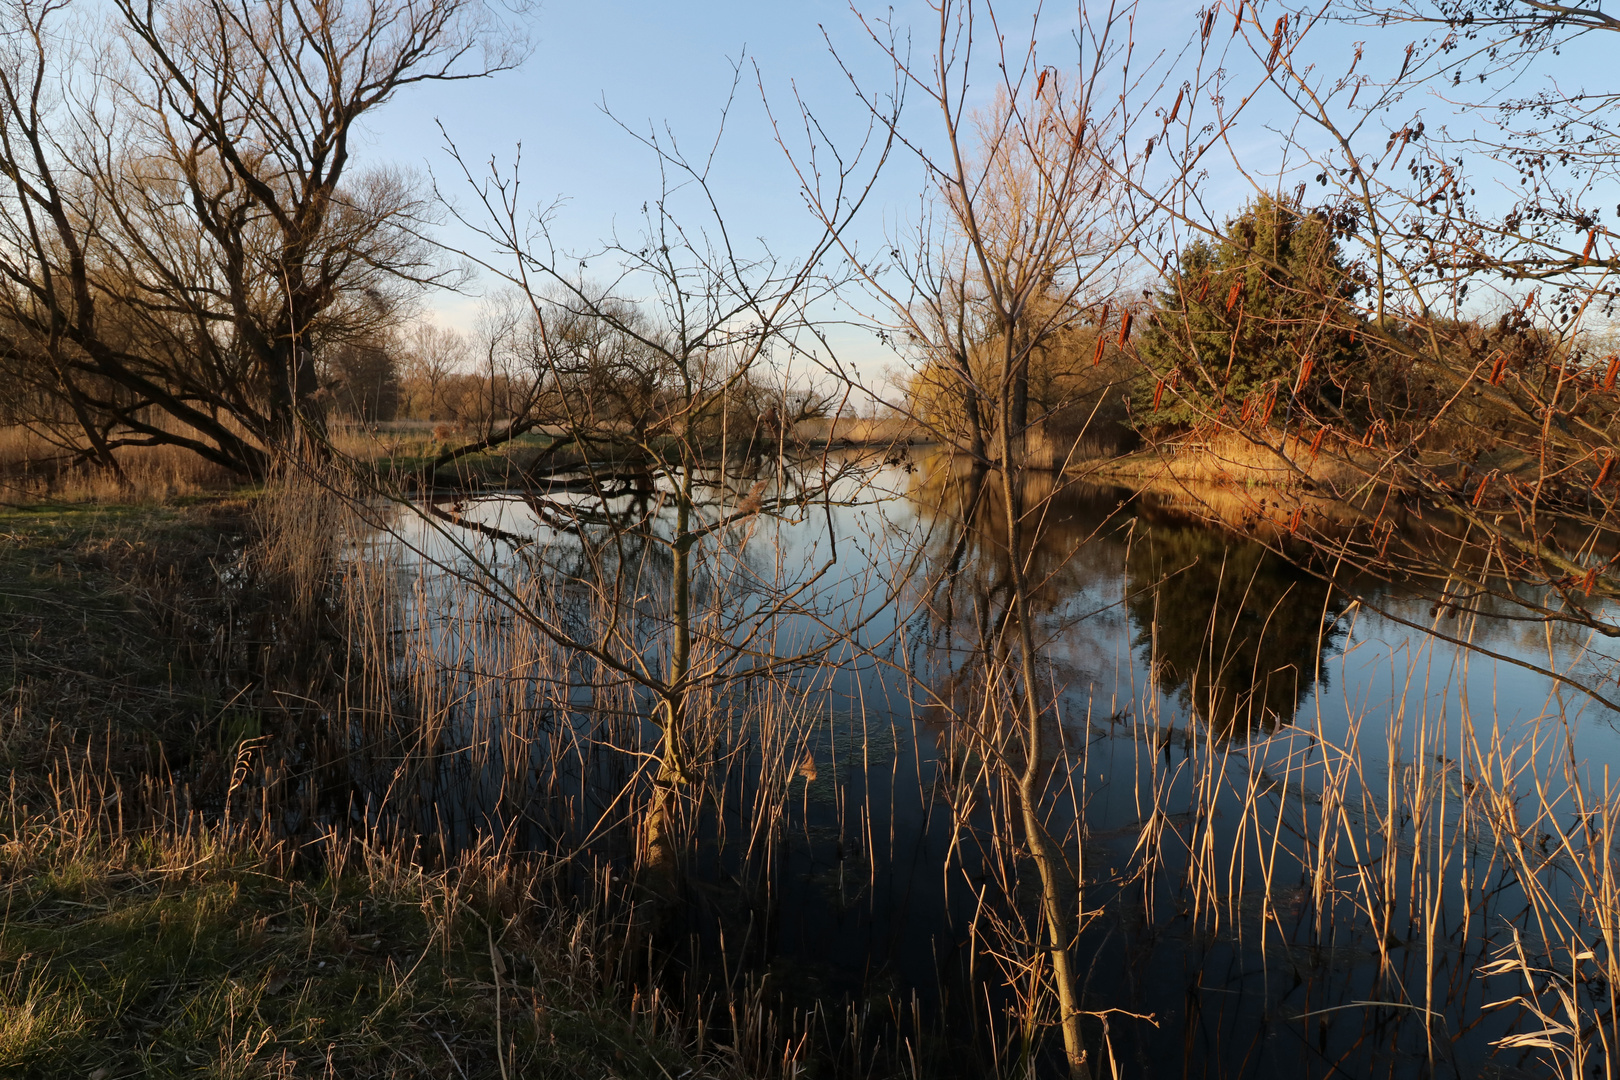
(1277, 34)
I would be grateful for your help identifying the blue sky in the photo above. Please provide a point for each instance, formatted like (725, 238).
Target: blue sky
(670, 66)
(655, 65)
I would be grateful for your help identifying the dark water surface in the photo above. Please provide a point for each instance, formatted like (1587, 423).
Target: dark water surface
(1202, 692)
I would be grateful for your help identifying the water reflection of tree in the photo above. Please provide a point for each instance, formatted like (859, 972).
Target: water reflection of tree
(600, 553)
(1232, 630)
(1061, 555)
(1009, 551)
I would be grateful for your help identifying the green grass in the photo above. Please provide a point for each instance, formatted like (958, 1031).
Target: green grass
(186, 958)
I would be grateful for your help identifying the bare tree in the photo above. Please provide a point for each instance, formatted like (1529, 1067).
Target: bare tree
(430, 356)
(666, 397)
(1020, 252)
(184, 228)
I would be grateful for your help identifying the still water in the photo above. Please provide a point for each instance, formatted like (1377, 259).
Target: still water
(1226, 733)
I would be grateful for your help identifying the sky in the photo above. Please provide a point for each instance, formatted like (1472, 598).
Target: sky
(669, 68)
(655, 67)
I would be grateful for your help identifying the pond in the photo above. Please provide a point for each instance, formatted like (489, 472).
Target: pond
(1301, 836)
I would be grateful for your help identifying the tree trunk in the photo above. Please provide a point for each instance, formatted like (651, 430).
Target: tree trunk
(971, 409)
(1053, 907)
(659, 855)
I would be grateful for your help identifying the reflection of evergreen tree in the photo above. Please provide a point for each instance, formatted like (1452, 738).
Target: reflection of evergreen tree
(1238, 629)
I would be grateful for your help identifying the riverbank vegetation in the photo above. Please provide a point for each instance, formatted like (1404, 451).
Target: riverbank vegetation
(183, 891)
(635, 685)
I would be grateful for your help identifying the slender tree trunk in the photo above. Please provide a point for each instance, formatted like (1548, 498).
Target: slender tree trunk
(1053, 907)
(1018, 407)
(971, 409)
(659, 855)
(975, 424)
(1014, 401)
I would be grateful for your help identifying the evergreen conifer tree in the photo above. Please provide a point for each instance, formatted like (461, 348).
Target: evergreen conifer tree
(1255, 327)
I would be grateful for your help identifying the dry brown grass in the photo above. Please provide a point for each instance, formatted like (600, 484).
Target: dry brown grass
(1263, 482)
(861, 431)
(32, 468)
(184, 887)
(1269, 458)
(359, 442)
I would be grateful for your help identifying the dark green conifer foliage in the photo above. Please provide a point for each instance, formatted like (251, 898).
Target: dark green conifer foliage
(1256, 328)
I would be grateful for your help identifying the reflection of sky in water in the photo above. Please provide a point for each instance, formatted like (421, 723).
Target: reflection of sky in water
(1098, 643)
(891, 923)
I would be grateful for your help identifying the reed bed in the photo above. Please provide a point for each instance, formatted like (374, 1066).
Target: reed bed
(1433, 884)
(1416, 880)
(191, 881)
(1433, 874)
(403, 751)
(472, 724)
(32, 468)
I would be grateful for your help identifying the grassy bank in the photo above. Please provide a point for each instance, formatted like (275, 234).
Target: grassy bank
(149, 931)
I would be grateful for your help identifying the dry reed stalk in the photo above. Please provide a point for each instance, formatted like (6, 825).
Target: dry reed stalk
(1375, 826)
(32, 468)
(1411, 828)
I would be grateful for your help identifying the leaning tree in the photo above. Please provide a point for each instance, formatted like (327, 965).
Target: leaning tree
(184, 225)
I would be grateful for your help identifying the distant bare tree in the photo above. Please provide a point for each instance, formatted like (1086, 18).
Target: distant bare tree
(429, 356)
(363, 377)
